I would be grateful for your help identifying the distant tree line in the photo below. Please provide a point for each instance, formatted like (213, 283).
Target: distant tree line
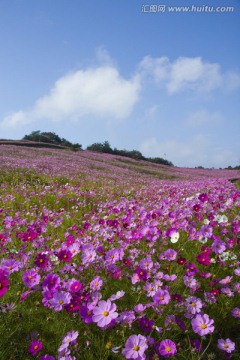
(51, 138)
(134, 154)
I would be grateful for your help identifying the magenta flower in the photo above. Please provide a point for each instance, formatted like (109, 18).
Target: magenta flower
(46, 357)
(51, 281)
(65, 255)
(86, 314)
(35, 347)
(146, 325)
(203, 258)
(135, 347)
(167, 348)
(41, 260)
(202, 325)
(162, 297)
(4, 284)
(75, 286)
(104, 313)
(31, 278)
(226, 345)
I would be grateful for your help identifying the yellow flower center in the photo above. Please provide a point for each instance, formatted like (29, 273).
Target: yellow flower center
(61, 302)
(203, 326)
(136, 348)
(106, 313)
(35, 347)
(168, 349)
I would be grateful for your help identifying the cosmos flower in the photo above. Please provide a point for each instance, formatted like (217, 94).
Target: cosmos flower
(4, 283)
(59, 300)
(104, 313)
(31, 278)
(226, 345)
(202, 325)
(34, 347)
(135, 347)
(162, 297)
(167, 348)
(236, 312)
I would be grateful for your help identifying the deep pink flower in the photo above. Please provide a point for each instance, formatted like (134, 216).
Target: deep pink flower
(35, 347)
(203, 197)
(29, 236)
(41, 260)
(65, 255)
(4, 283)
(104, 313)
(167, 348)
(203, 259)
(135, 347)
(75, 286)
(202, 325)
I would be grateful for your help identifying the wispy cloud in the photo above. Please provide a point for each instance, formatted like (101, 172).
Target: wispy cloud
(204, 117)
(187, 73)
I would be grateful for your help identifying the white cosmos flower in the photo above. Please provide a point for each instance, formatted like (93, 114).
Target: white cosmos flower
(174, 237)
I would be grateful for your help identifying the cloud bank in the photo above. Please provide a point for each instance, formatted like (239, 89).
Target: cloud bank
(97, 91)
(103, 93)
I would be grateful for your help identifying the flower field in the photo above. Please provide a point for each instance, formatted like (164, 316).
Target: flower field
(104, 257)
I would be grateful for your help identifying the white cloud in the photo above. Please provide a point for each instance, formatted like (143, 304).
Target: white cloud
(204, 117)
(97, 91)
(182, 74)
(197, 151)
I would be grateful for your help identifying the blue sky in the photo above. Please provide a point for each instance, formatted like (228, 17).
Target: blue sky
(165, 83)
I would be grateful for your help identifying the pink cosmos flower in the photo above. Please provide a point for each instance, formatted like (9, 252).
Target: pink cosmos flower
(60, 299)
(9, 266)
(31, 278)
(135, 347)
(226, 345)
(75, 285)
(104, 313)
(202, 325)
(162, 297)
(35, 347)
(167, 348)
(96, 283)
